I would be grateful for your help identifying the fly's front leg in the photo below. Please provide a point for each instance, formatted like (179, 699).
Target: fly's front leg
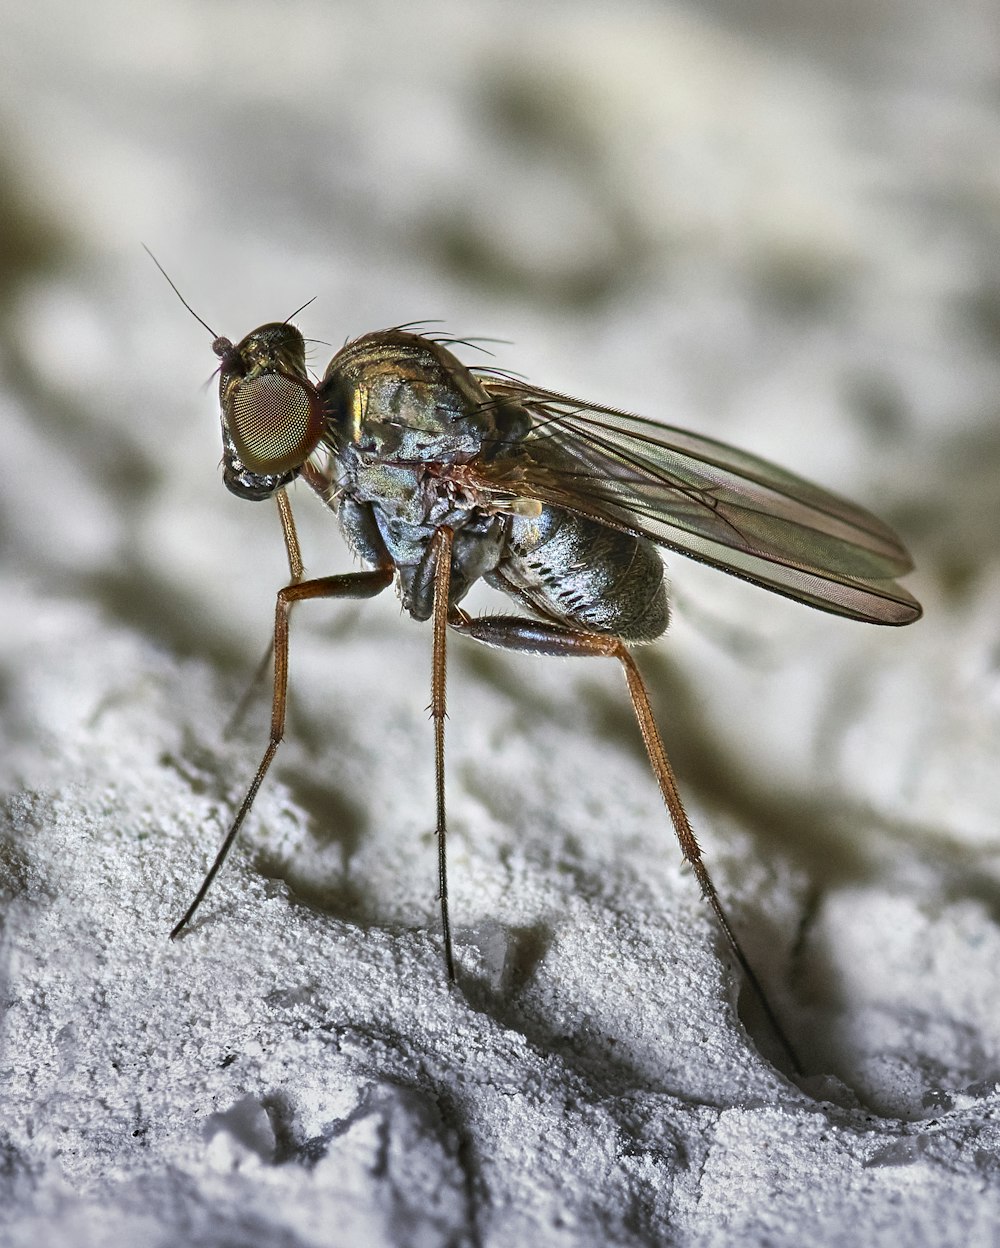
(540, 637)
(347, 585)
(296, 571)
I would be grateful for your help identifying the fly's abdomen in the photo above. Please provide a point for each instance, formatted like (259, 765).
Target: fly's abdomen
(584, 574)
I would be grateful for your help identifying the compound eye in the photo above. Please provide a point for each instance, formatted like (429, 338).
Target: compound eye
(275, 422)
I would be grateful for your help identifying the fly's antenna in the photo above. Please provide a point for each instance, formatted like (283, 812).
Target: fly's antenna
(180, 296)
(287, 318)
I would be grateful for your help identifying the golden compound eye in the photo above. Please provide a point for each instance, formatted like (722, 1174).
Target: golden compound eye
(275, 422)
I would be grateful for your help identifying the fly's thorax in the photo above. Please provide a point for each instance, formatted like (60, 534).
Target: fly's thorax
(272, 416)
(477, 547)
(585, 574)
(391, 514)
(395, 396)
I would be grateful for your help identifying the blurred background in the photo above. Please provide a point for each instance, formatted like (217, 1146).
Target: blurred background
(776, 222)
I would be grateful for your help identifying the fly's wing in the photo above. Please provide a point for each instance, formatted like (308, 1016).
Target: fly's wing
(703, 499)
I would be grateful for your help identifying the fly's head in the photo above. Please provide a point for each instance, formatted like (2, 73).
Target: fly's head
(272, 416)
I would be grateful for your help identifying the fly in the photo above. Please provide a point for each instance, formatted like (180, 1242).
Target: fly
(442, 475)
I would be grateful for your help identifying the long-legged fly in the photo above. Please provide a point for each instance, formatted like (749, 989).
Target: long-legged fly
(442, 475)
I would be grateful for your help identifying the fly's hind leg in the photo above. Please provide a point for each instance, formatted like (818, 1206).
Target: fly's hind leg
(540, 637)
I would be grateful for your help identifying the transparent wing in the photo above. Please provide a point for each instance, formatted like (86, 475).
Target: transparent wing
(704, 499)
